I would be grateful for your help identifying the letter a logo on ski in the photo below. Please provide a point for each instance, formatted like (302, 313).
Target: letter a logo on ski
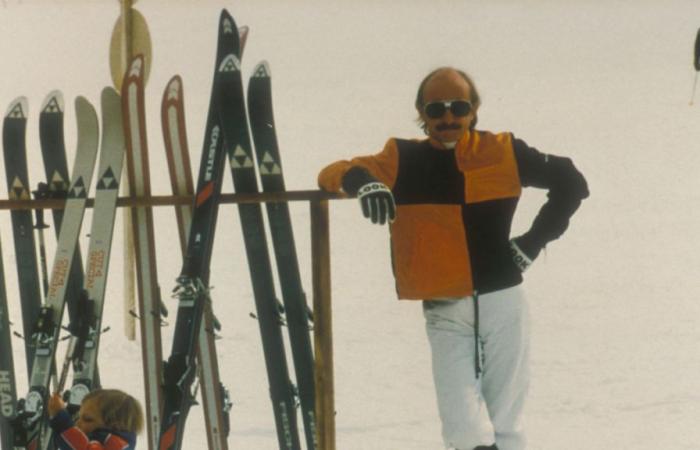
(269, 166)
(58, 184)
(240, 159)
(18, 191)
(16, 110)
(230, 64)
(78, 189)
(52, 106)
(228, 26)
(108, 180)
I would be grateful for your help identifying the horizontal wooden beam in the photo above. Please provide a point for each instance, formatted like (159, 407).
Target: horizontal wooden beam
(173, 200)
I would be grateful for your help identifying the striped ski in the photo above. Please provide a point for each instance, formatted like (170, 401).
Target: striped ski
(31, 411)
(100, 244)
(192, 284)
(13, 134)
(267, 153)
(150, 307)
(232, 114)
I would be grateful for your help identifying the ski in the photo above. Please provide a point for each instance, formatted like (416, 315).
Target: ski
(53, 152)
(150, 305)
(13, 134)
(84, 355)
(8, 385)
(31, 411)
(232, 113)
(214, 395)
(297, 312)
(192, 285)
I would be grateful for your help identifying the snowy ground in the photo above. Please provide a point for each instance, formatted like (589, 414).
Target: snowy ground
(614, 303)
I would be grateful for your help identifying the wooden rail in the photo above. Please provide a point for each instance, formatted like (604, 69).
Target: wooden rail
(174, 200)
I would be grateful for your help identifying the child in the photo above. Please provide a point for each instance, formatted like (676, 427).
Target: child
(108, 419)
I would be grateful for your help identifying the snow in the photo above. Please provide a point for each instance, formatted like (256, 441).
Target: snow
(607, 83)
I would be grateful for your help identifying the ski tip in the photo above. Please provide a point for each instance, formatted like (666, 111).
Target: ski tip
(225, 15)
(109, 94)
(53, 103)
(173, 89)
(262, 70)
(230, 63)
(18, 108)
(228, 25)
(84, 109)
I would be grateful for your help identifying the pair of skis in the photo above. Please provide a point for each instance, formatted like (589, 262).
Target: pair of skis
(227, 133)
(30, 420)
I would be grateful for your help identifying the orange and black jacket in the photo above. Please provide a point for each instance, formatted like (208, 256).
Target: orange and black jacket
(454, 208)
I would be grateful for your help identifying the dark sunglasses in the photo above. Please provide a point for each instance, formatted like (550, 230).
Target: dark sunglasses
(458, 108)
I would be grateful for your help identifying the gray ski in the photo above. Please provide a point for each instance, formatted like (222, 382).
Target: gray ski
(97, 265)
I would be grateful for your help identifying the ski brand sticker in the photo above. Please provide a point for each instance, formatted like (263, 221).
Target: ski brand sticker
(269, 166)
(240, 159)
(7, 407)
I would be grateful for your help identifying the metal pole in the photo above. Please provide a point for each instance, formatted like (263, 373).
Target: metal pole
(323, 331)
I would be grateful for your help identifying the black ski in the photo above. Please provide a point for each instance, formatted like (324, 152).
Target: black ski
(215, 401)
(13, 134)
(297, 312)
(192, 284)
(8, 386)
(238, 146)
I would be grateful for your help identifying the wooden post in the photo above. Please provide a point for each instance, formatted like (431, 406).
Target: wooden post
(129, 257)
(323, 331)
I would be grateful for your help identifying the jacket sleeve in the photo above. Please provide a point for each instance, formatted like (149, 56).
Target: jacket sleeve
(66, 435)
(566, 185)
(383, 167)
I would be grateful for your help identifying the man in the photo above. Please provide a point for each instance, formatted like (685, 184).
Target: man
(450, 201)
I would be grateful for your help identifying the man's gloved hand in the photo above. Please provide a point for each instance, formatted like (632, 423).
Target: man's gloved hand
(377, 202)
(524, 251)
(375, 197)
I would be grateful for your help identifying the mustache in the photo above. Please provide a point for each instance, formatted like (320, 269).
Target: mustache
(448, 126)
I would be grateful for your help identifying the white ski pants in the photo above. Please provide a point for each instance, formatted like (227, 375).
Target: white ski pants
(485, 410)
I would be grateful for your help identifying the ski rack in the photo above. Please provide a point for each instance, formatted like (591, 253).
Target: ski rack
(321, 280)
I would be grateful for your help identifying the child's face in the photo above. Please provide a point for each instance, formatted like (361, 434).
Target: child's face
(89, 417)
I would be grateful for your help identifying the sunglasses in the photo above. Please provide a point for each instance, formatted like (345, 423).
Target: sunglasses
(458, 108)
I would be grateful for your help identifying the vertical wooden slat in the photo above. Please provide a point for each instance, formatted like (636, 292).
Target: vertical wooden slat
(129, 257)
(323, 331)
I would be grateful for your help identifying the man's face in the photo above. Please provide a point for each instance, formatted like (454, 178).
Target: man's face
(446, 86)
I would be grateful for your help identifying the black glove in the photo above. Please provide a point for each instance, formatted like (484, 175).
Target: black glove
(377, 202)
(375, 197)
(524, 250)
